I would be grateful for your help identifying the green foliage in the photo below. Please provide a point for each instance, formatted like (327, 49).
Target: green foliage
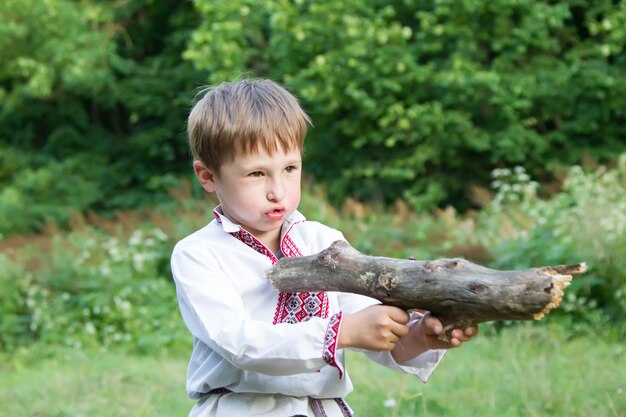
(36, 194)
(585, 222)
(93, 99)
(411, 100)
(92, 290)
(419, 99)
(108, 284)
(48, 47)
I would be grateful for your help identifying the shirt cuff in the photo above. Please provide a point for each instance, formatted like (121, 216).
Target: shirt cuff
(330, 343)
(422, 366)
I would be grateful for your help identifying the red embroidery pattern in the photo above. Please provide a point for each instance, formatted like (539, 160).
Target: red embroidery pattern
(301, 306)
(330, 343)
(296, 307)
(254, 243)
(289, 248)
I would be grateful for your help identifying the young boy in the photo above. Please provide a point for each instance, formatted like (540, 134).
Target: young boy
(258, 352)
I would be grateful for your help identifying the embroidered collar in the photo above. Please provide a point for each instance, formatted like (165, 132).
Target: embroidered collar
(287, 245)
(230, 227)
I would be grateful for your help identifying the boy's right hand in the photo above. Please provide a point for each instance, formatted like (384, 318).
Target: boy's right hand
(377, 327)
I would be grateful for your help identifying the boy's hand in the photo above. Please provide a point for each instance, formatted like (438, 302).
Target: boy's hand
(384, 328)
(376, 328)
(430, 328)
(424, 335)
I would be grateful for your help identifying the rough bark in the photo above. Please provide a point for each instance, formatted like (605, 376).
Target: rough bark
(458, 292)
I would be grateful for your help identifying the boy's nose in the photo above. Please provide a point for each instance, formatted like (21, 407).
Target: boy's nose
(275, 191)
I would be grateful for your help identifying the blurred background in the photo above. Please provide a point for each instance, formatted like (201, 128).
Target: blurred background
(492, 131)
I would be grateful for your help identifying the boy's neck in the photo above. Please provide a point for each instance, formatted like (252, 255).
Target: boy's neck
(271, 240)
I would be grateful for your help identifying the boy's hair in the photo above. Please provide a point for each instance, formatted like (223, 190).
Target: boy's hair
(238, 118)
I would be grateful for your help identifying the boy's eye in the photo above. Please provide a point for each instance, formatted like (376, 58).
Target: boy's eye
(291, 168)
(255, 174)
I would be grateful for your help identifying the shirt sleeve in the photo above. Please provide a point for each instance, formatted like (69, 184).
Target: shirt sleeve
(214, 312)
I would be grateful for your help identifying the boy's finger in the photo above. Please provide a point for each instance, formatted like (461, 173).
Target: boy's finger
(431, 325)
(471, 331)
(400, 330)
(455, 342)
(459, 335)
(398, 315)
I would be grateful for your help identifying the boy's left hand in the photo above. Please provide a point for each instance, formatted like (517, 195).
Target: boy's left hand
(424, 335)
(430, 328)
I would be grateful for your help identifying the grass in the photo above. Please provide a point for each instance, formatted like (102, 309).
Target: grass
(529, 370)
(76, 384)
(526, 371)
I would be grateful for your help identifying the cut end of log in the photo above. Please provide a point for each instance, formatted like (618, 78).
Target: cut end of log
(561, 277)
(574, 269)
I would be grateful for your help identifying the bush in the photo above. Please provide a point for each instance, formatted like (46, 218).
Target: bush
(585, 222)
(107, 283)
(37, 195)
(419, 100)
(517, 229)
(93, 98)
(92, 290)
(411, 100)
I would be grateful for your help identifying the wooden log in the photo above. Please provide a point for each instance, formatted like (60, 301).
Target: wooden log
(458, 292)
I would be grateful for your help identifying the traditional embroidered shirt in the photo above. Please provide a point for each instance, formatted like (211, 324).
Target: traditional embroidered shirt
(257, 351)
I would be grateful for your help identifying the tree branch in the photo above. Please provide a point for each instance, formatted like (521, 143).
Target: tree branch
(458, 292)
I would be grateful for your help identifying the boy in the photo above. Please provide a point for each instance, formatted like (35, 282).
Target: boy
(258, 352)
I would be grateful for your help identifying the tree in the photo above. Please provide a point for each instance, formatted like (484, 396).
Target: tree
(94, 99)
(420, 100)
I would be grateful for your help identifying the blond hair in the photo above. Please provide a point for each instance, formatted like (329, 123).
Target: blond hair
(242, 117)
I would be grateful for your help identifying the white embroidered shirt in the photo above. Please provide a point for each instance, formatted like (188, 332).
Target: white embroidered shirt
(271, 350)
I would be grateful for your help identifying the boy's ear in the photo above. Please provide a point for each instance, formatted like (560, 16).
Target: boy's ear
(205, 176)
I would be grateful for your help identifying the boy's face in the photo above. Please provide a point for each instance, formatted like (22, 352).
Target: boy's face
(257, 191)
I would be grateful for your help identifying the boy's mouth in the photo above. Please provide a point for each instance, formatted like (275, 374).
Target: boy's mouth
(276, 214)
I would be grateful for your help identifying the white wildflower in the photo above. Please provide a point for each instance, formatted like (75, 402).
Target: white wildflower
(136, 238)
(390, 403)
(90, 328)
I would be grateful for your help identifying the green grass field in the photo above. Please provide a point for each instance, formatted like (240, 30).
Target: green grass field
(524, 371)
